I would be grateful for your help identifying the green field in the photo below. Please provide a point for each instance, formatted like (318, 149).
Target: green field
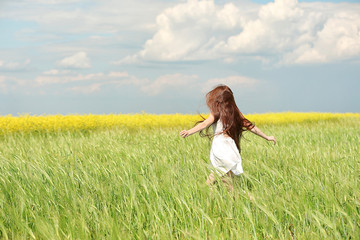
(150, 184)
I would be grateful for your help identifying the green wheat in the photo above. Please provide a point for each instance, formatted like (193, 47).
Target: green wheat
(150, 184)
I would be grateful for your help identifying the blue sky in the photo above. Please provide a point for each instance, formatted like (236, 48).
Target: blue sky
(158, 56)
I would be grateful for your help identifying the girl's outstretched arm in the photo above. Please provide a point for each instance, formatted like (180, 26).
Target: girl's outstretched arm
(258, 132)
(199, 127)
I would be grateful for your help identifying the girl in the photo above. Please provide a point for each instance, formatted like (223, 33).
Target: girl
(228, 125)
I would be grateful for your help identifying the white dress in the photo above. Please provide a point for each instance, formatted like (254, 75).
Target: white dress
(224, 155)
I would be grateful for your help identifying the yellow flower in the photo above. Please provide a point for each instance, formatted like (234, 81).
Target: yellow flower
(54, 123)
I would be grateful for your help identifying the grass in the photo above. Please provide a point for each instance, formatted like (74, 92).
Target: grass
(150, 184)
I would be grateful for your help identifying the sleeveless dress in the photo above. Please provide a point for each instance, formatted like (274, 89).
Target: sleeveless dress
(224, 155)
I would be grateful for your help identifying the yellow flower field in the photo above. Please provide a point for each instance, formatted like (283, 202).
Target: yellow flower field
(54, 123)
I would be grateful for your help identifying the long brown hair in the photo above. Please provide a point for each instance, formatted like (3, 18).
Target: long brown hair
(222, 105)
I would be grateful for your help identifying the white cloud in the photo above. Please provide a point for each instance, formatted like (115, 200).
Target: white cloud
(231, 81)
(293, 32)
(76, 61)
(284, 30)
(189, 30)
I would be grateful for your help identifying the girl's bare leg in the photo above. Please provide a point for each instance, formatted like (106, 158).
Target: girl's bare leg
(228, 180)
(211, 179)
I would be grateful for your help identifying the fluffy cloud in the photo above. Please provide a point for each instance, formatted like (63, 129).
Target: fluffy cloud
(284, 30)
(190, 30)
(76, 61)
(338, 39)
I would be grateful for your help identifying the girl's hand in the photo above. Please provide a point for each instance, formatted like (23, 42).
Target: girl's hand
(184, 133)
(271, 138)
